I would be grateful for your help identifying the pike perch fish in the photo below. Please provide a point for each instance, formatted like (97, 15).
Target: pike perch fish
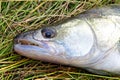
(90, 40)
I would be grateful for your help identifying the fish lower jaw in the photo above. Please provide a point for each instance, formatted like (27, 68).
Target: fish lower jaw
(27, 48)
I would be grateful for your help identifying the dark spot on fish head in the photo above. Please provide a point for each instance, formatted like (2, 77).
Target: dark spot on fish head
(48, 32)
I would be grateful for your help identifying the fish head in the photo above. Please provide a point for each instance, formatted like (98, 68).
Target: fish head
(42, 44)
(62, 44)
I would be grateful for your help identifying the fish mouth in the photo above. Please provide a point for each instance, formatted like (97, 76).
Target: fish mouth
(26, 42)
(30, 46)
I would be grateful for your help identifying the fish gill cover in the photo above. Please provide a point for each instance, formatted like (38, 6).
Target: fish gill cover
(21, 16)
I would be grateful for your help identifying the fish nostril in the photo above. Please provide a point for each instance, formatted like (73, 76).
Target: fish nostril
(16, 37)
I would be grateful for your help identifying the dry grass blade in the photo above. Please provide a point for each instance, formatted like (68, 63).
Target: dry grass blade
(20, 16)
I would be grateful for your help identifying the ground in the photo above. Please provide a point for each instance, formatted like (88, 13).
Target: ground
(21, 16)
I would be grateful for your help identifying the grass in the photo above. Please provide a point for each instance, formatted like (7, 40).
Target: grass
(20, 16)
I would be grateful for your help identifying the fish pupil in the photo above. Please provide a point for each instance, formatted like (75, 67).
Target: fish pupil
(48, 34)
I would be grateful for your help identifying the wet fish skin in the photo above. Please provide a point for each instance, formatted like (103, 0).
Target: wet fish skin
(89, 40)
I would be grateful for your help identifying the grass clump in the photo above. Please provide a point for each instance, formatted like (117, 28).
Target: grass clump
(20, 16)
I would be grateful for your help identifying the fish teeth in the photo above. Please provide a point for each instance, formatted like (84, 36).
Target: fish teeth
(25, 42)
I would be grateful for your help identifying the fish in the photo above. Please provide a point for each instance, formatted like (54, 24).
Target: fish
(89, 40)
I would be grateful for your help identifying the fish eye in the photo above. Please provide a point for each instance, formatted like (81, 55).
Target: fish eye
(48, 32)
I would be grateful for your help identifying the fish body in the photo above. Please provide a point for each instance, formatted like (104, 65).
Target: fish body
(90, 40)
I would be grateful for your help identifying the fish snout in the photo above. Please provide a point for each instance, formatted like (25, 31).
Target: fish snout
(16, 39)
(25, 35)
